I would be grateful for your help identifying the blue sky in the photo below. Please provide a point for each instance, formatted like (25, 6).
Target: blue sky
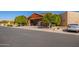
(13, 14)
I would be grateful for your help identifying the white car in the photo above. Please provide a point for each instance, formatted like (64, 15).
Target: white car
(73, 27)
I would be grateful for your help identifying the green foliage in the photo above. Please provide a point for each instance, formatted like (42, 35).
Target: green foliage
(56, 20)
(51, 19)
(47, 18)
(4, 21)
(21, 20)
(9, 25)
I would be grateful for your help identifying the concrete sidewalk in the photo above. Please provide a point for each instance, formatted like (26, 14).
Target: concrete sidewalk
(46, 30)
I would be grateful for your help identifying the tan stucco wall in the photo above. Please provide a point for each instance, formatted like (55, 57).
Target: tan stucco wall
(70, 18)
(73, 18)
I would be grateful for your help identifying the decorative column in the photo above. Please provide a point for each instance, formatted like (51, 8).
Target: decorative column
(28, 22)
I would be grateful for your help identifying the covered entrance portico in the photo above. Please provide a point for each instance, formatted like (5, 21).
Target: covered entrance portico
(35, 19)
(35, 22)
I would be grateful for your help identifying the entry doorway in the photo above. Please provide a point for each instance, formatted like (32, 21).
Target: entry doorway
(34, 22)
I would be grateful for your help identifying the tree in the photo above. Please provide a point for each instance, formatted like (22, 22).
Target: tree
(21, 20)
(47, 19)
(56, 19)
(51, 19)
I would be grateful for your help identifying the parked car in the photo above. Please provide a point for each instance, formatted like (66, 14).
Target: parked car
(73, 27)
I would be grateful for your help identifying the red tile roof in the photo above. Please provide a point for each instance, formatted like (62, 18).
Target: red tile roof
(35, 16)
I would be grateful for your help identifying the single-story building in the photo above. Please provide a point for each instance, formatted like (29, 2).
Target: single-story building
(66, 18)
(35, 19)
(69, 18)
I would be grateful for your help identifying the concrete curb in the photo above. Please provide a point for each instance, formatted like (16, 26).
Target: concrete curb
(47, 30)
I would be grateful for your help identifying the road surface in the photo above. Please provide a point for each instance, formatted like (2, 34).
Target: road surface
(12, 37)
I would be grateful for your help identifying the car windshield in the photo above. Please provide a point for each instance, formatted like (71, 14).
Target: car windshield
(74, 25)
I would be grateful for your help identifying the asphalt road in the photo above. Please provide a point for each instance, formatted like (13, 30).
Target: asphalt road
(10, 37)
